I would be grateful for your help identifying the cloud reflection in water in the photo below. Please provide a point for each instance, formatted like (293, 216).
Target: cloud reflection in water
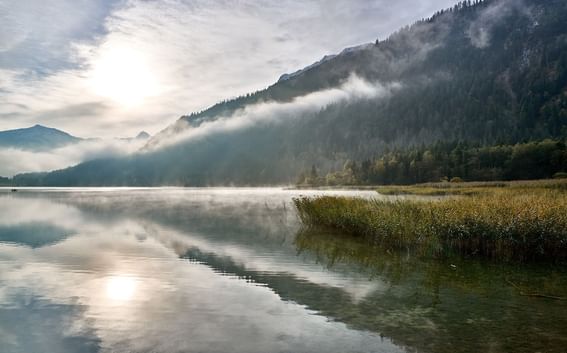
(122, 268)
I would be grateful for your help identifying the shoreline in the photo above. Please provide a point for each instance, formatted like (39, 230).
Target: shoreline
(523, 222)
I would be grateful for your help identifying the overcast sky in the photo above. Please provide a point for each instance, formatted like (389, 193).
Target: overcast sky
(115, 67)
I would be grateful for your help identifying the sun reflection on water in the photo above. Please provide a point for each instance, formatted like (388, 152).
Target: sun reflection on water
(120, 288)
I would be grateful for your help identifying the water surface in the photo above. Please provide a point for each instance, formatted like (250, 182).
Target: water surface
(231, 270)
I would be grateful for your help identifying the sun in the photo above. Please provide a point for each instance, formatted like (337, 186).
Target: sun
(123, 75)
(120, 288)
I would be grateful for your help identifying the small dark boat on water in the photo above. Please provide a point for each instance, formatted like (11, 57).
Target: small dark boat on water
(14, 190)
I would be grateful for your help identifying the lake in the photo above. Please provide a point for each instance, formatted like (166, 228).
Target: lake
(232, 270)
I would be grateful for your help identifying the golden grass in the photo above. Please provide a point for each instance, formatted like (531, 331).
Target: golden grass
(511, 222)
(472, 188)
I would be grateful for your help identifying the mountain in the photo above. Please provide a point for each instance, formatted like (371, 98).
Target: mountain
(487, 73)
(142, 136)
(36, 138)
(286, 77)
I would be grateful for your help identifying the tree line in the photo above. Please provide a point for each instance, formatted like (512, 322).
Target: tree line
(451, 162)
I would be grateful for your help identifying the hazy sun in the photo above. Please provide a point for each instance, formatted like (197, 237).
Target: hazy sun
(120, 288)
(123, 75)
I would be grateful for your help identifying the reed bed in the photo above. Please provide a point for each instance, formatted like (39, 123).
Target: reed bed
(502, 224)
(472, 188)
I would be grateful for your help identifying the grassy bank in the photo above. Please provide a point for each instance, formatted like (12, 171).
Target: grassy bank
(523, 223)
(473, 188)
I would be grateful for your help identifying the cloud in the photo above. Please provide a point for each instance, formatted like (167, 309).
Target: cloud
(195, 53)
(40, 34)
(14, 161)
(480, 31)
(272, 112)
(92, 109)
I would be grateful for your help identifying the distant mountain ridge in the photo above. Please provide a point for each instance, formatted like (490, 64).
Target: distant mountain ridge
(36, 138)
(484, 72)
(42, 138)
(142, 135)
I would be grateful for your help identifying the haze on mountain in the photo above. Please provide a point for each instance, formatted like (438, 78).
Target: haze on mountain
(485, 73)
(36, 138)
(40, 148)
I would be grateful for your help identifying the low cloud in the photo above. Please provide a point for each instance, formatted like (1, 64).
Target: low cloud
(480, 31)
(353, 89)
(14, 161)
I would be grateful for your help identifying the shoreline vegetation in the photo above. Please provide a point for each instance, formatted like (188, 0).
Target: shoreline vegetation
(473, 188)
(444, 161)
(505, 221)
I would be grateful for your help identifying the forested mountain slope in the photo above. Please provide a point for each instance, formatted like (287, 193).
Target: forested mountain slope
(491, 72)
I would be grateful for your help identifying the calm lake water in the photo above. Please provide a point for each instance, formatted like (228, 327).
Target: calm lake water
(231, 270)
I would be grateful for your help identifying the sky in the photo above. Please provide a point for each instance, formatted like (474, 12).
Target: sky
(112, 68)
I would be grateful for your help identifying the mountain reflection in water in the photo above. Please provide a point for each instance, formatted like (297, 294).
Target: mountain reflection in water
(231, 270)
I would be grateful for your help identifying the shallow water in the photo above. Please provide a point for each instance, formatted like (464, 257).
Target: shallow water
(231, 270)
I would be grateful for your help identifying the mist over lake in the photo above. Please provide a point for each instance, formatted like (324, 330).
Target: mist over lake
(221, 269)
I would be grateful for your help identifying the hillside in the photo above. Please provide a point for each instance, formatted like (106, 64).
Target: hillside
(36, 138)
(488, 73)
